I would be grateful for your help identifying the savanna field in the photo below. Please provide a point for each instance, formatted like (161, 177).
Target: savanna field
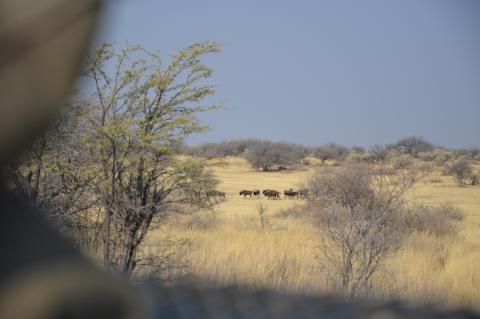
(256, 159)
(227, 246)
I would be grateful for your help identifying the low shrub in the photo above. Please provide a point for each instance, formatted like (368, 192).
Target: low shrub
(438, 221)
(330, 151)
(402, 161)
(412, 145)
(461, 169)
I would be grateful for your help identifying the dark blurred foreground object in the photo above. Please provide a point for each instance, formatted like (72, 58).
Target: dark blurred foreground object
(42, 276)
(42, 43)
(203, 303)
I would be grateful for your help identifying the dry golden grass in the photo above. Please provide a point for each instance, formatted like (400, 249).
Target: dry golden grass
(235, 250)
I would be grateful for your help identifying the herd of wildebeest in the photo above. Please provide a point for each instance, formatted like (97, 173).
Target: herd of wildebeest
(256, 194)
(274, 194)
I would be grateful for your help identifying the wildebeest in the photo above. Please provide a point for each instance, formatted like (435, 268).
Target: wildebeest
(256, 193)
(290, 193)
(271, 194)
(246, 193)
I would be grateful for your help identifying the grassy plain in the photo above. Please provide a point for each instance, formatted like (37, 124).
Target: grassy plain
(230, 248)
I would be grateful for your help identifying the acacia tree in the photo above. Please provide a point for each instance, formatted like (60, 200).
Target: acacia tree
(266, 154)
(412, 145)
(111, 162)
(330, 152)
(361, 220)
(139, 113)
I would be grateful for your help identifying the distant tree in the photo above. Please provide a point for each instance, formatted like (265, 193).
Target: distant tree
(461, 169)
(266, 154)
(412, 145)
(330, 152)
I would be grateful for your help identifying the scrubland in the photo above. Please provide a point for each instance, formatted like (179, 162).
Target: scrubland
(227, 246)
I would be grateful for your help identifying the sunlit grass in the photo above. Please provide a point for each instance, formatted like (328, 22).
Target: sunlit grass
(443, 270)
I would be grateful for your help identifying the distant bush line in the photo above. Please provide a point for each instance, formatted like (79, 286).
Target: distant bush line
(267, 155)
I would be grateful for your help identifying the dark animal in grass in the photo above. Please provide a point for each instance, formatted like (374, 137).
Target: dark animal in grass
(245, 193)
(256, 193)
(275, 194)
(291, 194)
(271, 194)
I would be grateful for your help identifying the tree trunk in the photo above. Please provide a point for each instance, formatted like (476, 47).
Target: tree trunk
(128, 248)
(106, 238)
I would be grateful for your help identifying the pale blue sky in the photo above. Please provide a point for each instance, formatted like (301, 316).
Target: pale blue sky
(352, 72)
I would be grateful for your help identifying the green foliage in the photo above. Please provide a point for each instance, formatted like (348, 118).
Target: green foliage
(116, 152)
